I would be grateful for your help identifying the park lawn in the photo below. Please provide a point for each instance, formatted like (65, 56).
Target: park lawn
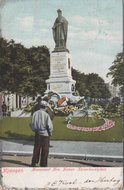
(18, 128)
(11, 127)
(61, 132)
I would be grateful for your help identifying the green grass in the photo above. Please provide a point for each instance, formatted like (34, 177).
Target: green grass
(15, 128)
(19, 128)
(87, 122)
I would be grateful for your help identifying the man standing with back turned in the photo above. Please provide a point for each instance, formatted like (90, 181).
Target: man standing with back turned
(42, 126)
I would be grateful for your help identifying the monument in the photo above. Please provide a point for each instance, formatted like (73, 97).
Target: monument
(60, 79)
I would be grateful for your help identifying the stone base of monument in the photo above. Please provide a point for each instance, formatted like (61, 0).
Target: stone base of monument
(60, 49)
(62, 85)
(60, 79)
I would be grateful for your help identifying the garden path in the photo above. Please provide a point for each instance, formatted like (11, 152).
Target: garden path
(69, 149)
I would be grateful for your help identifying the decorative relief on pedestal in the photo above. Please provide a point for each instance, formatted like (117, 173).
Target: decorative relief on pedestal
(58, 87)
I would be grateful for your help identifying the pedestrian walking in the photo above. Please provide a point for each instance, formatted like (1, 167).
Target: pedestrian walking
(42, 126)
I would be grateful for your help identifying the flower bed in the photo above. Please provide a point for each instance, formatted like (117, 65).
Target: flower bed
(64, 111)
(107, 125)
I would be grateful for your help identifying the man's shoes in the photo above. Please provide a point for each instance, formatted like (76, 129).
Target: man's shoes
(50, 146)
(33, 165)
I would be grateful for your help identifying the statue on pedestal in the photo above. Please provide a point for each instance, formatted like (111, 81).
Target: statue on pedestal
(60, 29)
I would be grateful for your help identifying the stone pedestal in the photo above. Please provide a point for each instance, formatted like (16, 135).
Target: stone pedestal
(60, 79)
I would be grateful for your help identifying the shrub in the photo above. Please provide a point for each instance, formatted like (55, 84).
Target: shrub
(95, 107)
(65, 110)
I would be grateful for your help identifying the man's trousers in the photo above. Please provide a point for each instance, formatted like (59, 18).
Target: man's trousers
(41, 150)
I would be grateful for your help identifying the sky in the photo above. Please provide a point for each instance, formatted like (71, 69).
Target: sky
(94, 31)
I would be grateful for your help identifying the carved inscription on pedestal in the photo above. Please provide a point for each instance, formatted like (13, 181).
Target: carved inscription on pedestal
(58, 64)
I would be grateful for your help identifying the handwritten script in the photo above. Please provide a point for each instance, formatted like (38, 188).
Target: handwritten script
(63, 177)
(58, 183)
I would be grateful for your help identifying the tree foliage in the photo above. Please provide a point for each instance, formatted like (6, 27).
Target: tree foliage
(116, 70)
(39, 68)
(90, 85)
(24, 71)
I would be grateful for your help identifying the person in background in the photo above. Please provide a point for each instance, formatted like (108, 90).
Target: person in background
(36, 105)
(4, 109)
(49, 110)
(42, 126)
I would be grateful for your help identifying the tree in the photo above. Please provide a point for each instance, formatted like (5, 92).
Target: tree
(13, 65)
(23, 70)
(80, 81)
(5, 65)
(90, 85)
(97, 86)
(39, 64)
(116, 70)
(20, 65)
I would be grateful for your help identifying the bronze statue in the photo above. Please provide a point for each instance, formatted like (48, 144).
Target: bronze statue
(60, 29)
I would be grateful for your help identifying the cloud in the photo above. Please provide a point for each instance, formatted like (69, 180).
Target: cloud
(28, 42)
(36, 41)
(30, 23)
(45, 23)
(2, 2)
(96, 34)
(25, 23)
(44, 26)
(87, 28)
(91, 62)
(78, 20)
(101, 35)
(44, 30)
(111, 36)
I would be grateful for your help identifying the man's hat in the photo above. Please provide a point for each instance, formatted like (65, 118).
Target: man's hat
(45, 104)
(39, 98)
(59, 10)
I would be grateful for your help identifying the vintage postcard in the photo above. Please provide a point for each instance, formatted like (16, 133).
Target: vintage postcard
(61, 99)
